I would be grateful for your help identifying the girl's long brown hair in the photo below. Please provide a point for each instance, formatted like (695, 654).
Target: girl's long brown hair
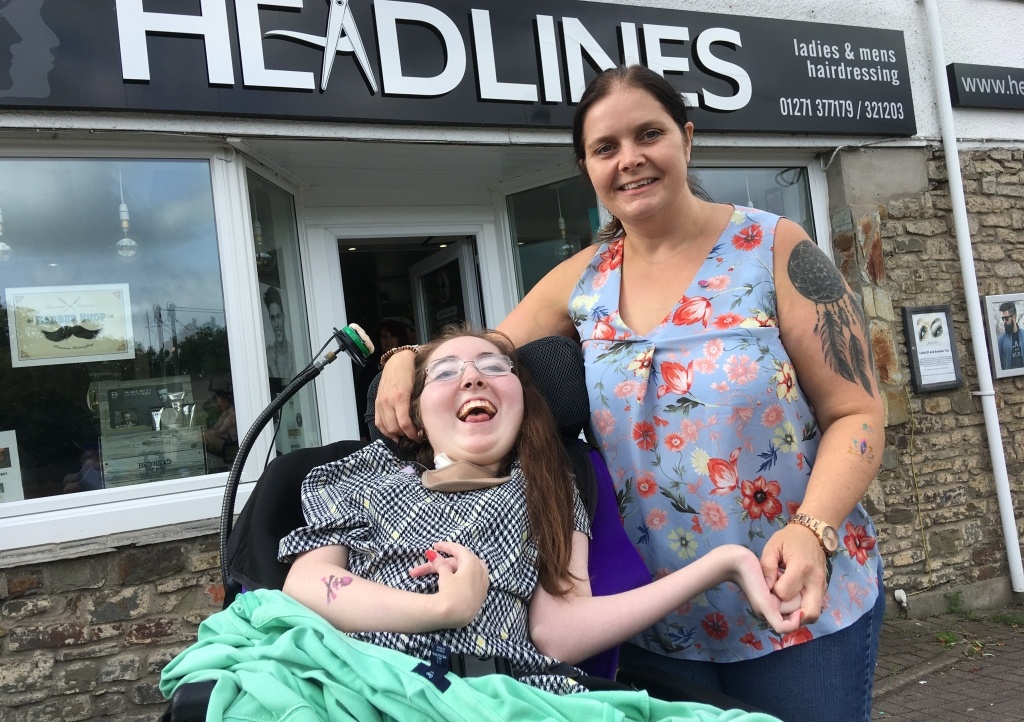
(549, 480)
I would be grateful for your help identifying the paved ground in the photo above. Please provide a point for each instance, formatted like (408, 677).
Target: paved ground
(952, 667)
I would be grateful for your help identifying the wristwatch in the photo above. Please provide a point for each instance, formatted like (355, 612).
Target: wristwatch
(827, 536)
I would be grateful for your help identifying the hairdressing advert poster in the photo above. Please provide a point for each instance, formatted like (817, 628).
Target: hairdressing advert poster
(70, 324)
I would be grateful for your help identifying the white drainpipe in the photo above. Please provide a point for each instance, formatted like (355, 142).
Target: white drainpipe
(974, 311)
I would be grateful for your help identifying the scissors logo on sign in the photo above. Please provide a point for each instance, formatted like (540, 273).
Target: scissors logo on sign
(342, 37)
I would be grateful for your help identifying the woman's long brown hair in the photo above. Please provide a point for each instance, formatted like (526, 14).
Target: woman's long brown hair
(549, 480)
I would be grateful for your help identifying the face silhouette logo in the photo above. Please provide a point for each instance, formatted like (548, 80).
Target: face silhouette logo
(26, 49)
(342, 36)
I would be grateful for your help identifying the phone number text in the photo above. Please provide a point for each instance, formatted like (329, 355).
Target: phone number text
(833, 108)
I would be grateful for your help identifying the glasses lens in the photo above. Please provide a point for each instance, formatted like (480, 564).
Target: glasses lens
(445, 369)
(494, 364)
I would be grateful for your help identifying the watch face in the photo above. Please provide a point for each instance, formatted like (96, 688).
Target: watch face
(829, 538)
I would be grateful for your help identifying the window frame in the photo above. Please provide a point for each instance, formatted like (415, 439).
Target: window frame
(64, 518)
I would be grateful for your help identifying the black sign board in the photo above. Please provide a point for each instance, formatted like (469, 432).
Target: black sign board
(985, 86)
(450, 62)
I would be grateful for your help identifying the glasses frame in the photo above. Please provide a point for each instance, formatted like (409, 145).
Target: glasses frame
(464, 363)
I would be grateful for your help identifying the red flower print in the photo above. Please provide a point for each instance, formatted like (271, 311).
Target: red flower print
(858, 543)
(657, 519)
(749, 238)
(714, 515)
(643, 435)
(658, 421)
(611, 258)
(753, 641)
(646, 485)
(724, 474)
(675, 442)
(678, 378)
(715, 626)
(728, 320)
(692, 310)
(603, 329)
(696, 525)
(792, 639)
(760, 497)
(792, 507)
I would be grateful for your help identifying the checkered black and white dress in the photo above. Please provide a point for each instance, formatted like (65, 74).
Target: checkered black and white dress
(374, 503)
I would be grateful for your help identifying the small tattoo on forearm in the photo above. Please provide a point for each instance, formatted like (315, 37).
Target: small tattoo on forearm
(333, 583)
(817, 279)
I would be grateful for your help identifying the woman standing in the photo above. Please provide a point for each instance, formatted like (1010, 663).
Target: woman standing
(696, 321)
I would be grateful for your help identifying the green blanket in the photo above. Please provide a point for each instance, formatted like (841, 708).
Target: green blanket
(276, 661)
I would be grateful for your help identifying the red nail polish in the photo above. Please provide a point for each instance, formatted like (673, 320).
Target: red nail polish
(431, 555)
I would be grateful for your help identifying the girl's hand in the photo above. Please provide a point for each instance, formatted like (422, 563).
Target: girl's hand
(784, 617)
(462, 582)
(394, 394)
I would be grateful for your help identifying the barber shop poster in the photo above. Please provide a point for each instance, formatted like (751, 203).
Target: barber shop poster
(70, 324)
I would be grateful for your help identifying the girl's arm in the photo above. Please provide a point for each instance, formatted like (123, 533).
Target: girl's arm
(579, 625)
(320, 580)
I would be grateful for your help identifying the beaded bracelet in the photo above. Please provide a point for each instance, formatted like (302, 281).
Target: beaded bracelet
(392, 351)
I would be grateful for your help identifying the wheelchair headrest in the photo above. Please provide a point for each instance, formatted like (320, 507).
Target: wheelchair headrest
(555, 364)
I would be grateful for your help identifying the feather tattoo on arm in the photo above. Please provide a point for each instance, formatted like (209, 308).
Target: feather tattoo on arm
(816, 278)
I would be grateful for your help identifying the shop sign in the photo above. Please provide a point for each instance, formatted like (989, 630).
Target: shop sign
(986, 86)
(449, 62)
(69, 324)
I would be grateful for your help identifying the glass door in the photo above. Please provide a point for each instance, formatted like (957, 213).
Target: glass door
(446, 289)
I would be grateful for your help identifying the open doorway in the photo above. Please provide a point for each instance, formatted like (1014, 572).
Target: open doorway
(403, 290)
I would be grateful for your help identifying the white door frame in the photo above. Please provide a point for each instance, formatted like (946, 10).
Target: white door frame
(465, 254)
(325, 294)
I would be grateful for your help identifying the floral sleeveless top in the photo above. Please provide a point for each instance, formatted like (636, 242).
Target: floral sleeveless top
(710, 439)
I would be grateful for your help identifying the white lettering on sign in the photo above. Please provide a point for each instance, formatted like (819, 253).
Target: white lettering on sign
(388, 14)
(581, 50)
(490, 87)
(212, 24)
(250, 43)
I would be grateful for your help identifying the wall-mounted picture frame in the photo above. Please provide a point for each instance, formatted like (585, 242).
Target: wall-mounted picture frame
(934, 362)
(1003, 317)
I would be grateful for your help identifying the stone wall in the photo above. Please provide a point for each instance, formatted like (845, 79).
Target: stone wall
(85, 637)
(934, 501)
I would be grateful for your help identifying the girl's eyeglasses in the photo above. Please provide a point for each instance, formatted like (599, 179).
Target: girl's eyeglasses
(451, 368)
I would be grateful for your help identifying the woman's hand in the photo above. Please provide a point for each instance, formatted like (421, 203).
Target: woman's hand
(796, 551)
(784, 616)
(394, 394)
(462, 582)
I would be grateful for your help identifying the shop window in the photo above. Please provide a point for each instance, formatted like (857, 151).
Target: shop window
(285, 329)
(784, 191)
(114, 367)
(549, 224)
(552, 222)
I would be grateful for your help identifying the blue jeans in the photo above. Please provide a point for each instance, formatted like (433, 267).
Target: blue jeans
(828, 679)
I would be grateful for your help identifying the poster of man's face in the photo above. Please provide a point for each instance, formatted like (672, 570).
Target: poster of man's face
(1006, 336)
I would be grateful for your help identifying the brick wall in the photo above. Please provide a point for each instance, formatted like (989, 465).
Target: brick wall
(85, 637)
(935, 501)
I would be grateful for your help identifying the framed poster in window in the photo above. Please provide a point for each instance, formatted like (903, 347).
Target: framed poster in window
(934, 363)
(70, 324)
(1005, 335)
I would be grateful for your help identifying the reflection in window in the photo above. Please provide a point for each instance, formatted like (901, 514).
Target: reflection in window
(783, 191)
(550, 224)
(113, 344)
(276, 248)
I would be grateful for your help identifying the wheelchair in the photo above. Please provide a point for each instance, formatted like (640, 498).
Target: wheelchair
(249, 545)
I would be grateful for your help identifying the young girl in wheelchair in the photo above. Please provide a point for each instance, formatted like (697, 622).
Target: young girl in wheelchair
(481, 543)
(473, 556)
